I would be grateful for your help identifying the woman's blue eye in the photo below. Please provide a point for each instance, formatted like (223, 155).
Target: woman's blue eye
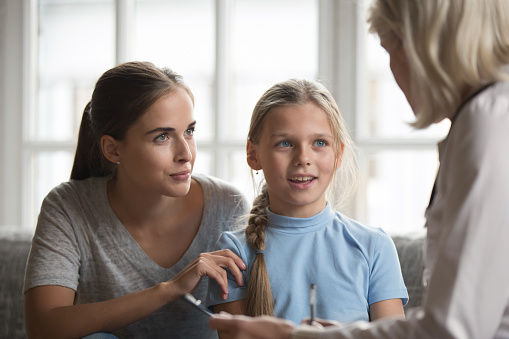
(320, 143)
(284, 143)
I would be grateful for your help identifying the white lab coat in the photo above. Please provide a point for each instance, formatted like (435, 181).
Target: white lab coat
(467, 255)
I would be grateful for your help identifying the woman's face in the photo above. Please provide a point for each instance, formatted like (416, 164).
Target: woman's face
(399, 65)
(159, 150)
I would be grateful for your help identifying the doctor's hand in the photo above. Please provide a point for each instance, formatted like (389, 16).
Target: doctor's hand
(243, 327)
(320, 323)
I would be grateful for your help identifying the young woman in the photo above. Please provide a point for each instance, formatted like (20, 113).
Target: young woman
(117, 244)
(294, 238)
(451, 60)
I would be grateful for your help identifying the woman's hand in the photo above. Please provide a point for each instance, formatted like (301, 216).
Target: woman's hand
(50, 310)
(211, 264)
(243, 327)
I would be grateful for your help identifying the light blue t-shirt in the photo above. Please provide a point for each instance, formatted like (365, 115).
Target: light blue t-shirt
(352, 265)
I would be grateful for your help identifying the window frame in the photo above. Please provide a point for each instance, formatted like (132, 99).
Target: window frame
(341, 42)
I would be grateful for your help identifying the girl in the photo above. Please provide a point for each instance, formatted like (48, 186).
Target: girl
(115, 245)
(294, 238)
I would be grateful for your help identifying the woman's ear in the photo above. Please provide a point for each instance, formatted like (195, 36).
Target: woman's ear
(110, 148)
(252, 159)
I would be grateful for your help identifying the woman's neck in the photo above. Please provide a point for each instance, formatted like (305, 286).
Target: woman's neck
(138, 207)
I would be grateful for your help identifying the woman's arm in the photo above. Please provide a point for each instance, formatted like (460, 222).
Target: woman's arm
(50, 311)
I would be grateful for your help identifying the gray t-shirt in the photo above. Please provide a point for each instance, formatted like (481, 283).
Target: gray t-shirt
(80, 243)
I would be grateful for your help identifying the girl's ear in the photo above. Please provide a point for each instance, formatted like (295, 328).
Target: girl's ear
(339, 158)
(110, 148)
(252, 159)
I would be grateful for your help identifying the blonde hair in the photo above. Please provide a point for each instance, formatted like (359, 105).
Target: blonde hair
(451, 46)
(292, 92)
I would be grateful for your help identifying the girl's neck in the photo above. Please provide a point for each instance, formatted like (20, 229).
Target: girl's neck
(299, 211)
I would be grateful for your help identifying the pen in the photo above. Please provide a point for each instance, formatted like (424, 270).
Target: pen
(196, 303)
(312, 302)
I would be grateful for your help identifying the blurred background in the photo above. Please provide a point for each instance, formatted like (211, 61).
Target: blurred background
(229, 51)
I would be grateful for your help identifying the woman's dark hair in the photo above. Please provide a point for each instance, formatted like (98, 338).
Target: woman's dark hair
(121, 96)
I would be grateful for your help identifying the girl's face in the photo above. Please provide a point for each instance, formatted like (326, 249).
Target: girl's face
(159, 150)
(296, 154)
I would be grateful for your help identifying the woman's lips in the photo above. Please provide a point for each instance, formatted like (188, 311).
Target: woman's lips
(181, 176)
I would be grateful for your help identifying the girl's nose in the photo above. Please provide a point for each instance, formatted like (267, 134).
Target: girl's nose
(302, 157)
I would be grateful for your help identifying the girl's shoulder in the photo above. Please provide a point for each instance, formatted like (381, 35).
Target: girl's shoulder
(361, 232)
(236, 242)
(372, 241)
(237, 236)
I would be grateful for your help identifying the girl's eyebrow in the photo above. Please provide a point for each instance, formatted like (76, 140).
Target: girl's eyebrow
(168, 129)
(287, 135)
(279, 135)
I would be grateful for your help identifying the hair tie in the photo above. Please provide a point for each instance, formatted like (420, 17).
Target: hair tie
(262, 252)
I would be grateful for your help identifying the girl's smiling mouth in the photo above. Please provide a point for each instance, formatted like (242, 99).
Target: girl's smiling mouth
(302, 182)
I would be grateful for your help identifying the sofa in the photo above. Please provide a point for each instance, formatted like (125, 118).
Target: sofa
(14, 248)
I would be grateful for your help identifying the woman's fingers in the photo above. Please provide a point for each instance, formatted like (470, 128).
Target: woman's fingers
(228, 259)
(230, 254)
(211, 264)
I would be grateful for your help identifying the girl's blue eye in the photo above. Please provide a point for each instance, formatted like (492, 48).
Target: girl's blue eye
(284, 143)
(320, 143)
(189, 132)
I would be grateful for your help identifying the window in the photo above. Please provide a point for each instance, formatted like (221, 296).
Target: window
(213, 44)
(398, 164)
(229, 52)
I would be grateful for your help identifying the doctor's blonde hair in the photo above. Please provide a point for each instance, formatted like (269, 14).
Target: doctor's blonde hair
(451, 46)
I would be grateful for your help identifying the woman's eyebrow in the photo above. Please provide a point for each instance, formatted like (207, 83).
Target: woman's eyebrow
(161, 129)
(168, 129)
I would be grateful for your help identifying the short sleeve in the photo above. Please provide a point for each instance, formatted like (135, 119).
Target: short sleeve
(228, 240)
(54, 257)
(386, 280)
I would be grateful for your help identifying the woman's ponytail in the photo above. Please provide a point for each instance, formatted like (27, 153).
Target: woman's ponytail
(88, 158)
(259, 294)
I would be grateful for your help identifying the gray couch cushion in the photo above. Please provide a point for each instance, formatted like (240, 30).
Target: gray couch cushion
(14, 250)
(411, 256)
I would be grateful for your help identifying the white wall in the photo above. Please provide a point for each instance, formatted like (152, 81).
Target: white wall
(11, 93)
